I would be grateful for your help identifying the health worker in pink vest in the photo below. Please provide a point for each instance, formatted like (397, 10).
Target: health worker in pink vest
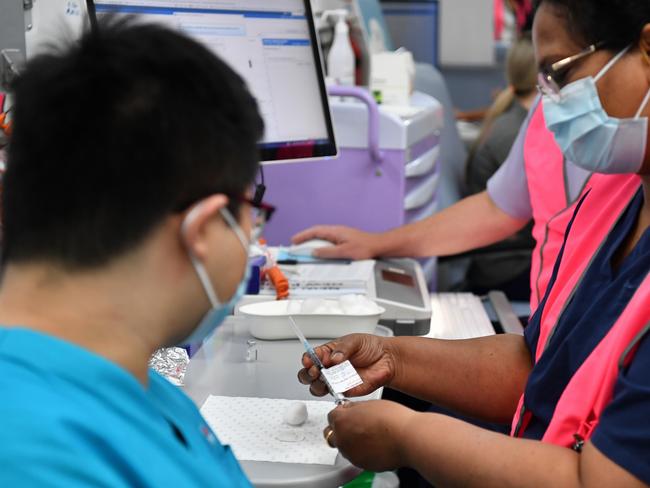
(536, 182)
(576, 386)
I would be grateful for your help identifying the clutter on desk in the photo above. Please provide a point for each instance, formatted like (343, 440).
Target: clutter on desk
(267, 271)
(256, 429)
(391, 77)
(278, 280)
(171, 363)
(316, 317)
(346, 304)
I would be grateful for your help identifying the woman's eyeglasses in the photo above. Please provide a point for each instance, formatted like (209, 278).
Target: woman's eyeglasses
(552, 78)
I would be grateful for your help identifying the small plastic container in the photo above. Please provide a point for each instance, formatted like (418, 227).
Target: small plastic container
(270, 321)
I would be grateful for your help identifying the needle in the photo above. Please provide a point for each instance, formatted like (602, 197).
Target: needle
(338, 397)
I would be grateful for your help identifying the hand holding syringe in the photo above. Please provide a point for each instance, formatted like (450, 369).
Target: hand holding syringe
(338, 397)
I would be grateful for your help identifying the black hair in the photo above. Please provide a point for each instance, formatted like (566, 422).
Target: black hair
(616, 23)
(129, 125)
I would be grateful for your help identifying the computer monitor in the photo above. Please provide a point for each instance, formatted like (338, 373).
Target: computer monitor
(272, 44)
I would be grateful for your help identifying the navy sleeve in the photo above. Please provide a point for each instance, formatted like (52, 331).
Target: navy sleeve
(623, 433)
(531, 334)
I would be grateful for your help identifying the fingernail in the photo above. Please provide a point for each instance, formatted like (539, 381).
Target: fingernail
(337, 356)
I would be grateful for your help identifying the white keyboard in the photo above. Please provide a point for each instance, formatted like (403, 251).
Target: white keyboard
(458, 316)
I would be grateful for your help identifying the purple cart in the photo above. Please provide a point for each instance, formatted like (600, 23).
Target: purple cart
(385, 175)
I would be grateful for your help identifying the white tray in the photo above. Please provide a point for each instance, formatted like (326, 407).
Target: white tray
(270, 321)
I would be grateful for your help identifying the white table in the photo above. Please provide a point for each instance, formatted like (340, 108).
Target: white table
(220, 368)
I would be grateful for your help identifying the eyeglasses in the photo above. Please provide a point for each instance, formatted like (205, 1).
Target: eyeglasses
(261, 213)
(552, 78)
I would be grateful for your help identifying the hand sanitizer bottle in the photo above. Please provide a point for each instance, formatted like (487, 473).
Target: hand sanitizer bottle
(340, 61)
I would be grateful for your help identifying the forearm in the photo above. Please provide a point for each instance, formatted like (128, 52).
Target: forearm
(455, 453)
(483, 378)
(469, 224)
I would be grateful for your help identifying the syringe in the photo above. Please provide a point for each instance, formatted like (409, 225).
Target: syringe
(339, 399)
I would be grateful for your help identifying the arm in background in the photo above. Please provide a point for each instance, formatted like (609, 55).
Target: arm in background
(471, 223)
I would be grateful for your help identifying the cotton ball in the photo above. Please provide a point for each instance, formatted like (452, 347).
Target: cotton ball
(354, 304)
(348, 308)
(310, 305)
(368, 304)
(322, 310)
(348, 300)
(365, 301)
(356, 310)
(332, 307)
(295, 414)
(367, 310)
(294, 307)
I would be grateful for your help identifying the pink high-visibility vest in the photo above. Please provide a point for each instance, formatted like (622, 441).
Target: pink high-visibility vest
(522, 9)
(591, 388)
(550, 200)
(499, 19)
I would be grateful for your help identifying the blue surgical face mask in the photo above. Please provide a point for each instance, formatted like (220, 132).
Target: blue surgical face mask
(218, 311)
(589, 137)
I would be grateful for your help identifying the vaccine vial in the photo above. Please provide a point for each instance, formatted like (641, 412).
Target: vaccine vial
(251, 350)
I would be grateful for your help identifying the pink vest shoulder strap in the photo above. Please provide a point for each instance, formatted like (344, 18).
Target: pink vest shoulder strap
(583, 401)
(609, 196)
(499, 19)
(549, 198)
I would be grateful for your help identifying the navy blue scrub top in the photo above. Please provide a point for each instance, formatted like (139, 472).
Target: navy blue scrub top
(623, 433)
(70, 418)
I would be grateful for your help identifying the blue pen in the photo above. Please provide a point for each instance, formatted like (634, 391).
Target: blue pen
(339, 399)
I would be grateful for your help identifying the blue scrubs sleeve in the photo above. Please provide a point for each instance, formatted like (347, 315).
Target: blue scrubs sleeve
(623, 434)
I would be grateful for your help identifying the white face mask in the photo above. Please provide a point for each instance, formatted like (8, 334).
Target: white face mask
(218, 311)
(588, 136)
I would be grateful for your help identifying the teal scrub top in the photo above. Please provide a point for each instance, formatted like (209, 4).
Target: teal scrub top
(70, 418)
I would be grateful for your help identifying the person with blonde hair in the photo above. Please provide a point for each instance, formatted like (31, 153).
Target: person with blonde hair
(505, 265)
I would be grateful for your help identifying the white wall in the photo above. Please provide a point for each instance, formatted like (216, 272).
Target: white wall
(466, 32)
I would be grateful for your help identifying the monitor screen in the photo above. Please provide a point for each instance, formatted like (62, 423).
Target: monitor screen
(272, 44)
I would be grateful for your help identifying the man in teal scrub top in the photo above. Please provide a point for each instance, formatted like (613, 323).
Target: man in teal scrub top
(125, 227)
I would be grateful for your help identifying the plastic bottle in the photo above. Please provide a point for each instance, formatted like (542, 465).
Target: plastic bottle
(340, 61)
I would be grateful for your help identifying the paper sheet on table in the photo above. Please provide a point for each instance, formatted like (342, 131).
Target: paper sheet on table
(255, 429)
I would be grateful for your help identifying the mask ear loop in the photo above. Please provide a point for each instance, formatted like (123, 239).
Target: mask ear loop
(611, 63)
(232, 223)
(198, 265)
(205, 281)
(644, 52)
(201, 272)
(644, 104)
